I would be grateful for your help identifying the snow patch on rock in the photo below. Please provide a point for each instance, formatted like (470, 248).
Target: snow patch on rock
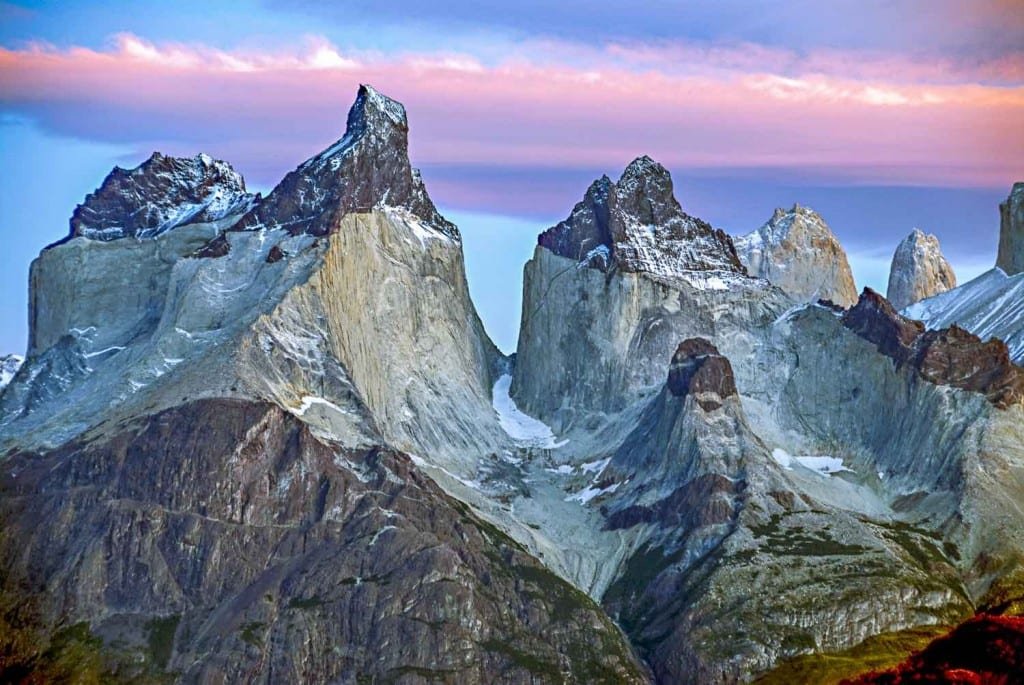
(823, 465)
(524, 430)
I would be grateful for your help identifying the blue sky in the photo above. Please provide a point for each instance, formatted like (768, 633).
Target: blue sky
(883, 115)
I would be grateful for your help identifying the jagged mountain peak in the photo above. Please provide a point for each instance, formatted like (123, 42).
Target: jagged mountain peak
(160, 194)
(797, 251)
(636, 224)
(918, 270)
(367, 168)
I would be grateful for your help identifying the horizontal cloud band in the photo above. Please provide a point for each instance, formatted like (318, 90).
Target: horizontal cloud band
(743, 106)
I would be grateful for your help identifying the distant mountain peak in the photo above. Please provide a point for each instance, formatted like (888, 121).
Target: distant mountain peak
(1011, 231)
(797, 251)
(919, 270)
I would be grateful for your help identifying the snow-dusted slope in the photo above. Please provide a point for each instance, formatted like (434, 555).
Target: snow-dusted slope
(990, 306)
(9, 365)
(918, 270)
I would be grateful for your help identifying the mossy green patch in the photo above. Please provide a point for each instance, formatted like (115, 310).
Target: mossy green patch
(161, 639)
(305, 602)
(250, 633)
(878, 652)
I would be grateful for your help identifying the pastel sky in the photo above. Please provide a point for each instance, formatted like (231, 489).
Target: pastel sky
(884, 115)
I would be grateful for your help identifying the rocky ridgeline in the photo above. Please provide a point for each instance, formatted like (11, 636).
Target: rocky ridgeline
(918, 270)
(797, 251)
(949, 356)
(160, 194)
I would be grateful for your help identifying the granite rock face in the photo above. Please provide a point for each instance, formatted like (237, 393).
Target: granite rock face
(160, 194)
(697, 368)
(797, 251)
(368, 168)
(918, 271)
(1011, 232)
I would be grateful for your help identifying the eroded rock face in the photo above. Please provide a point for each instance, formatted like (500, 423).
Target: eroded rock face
(368, 168)
(1011, 232)
(261, 553)
(637, 225)
(949, 356)
(797, 251)
(918, 270)
(160, 194)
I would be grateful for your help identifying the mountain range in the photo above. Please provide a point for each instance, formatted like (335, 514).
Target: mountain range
(267, 439)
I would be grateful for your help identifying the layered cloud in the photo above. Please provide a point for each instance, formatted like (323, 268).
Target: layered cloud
(855, 117)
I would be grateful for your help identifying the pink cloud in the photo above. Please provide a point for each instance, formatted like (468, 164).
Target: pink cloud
(737, 107)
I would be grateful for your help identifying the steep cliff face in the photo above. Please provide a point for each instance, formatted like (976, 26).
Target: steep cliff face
(256, 386)
(339, 322)
(602, 314)
(918, 270)
(797, 251)
(859, 443)
(1011, 232)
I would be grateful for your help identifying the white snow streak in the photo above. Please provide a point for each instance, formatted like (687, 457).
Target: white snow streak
(524, 430)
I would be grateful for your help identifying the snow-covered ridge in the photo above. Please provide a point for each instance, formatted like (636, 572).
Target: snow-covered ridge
(160, 194)
(990, 306)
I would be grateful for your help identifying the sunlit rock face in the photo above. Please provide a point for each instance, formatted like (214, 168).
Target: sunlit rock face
(918, 270)
(797, 251)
